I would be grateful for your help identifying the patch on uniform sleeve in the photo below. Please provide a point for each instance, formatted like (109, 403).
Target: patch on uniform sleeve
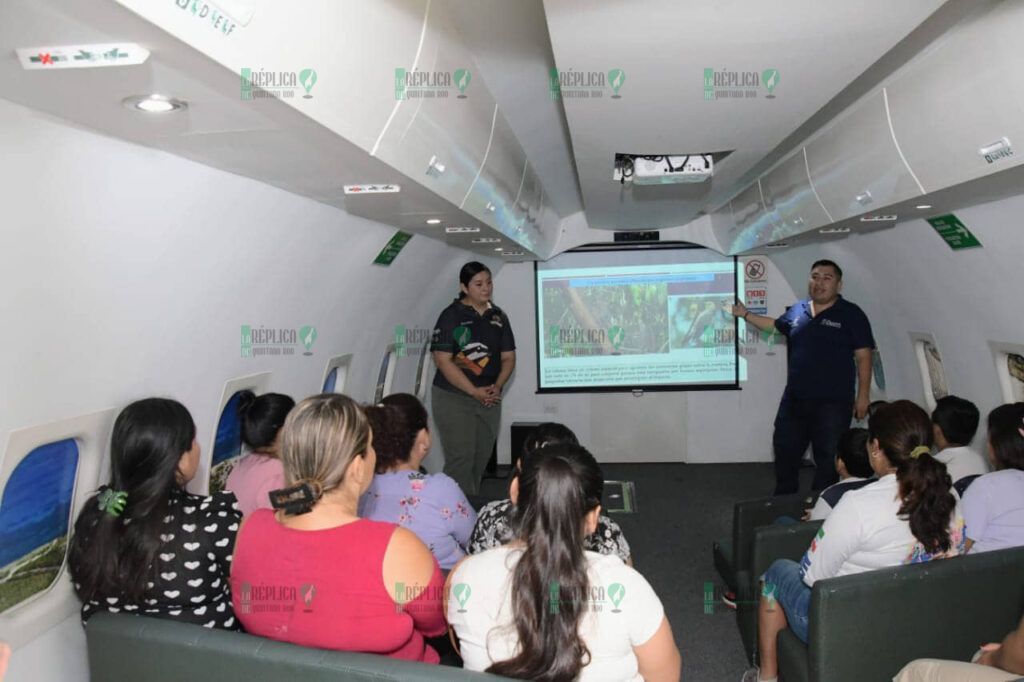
(805, 563)
(814, 542)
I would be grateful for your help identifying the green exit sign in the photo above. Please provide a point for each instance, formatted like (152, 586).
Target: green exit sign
(954, 232)
(391, 250)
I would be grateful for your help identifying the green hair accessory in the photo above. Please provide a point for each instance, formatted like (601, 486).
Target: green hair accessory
(113, 501)
(919, 450)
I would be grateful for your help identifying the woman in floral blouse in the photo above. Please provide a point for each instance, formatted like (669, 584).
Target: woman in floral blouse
(493, 528)
(430, 505)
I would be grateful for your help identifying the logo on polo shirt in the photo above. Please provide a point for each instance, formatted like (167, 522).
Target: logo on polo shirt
(830, 323)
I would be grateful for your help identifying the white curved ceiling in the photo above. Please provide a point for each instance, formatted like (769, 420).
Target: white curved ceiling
(821, 50)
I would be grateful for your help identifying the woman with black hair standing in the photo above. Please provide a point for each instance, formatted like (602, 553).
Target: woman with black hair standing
(474, 350)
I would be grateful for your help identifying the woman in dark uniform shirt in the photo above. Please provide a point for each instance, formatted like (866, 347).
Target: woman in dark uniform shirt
(474, 350)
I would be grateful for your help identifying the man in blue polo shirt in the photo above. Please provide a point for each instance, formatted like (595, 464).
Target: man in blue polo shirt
(829, 346)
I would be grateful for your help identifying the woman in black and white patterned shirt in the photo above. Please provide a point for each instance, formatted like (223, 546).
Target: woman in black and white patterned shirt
(143, 544)
(493, 524)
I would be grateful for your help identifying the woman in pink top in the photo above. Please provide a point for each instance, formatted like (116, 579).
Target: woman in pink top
(259, 472)
(314, 573)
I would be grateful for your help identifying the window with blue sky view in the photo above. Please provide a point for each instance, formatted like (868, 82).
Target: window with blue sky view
(35, 513)
(229, 432)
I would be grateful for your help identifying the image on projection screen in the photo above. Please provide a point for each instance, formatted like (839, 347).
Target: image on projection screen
(645, 319)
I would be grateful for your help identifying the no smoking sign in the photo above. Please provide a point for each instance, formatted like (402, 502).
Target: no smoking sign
(755, 270)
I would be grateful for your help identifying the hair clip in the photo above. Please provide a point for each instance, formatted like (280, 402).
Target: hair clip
(112, 501)
(299, 499)
(920, 450)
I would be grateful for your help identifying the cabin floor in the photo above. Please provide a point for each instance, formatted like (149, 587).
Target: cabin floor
(680, 509)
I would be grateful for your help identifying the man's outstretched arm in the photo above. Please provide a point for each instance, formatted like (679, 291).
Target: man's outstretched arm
(762, 322)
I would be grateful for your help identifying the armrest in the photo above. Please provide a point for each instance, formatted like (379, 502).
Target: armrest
(751, 514)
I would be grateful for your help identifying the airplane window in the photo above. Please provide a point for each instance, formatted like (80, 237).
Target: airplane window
(336, 374)
(932, 372)
(877, 373)
(229, 432)
(423, 373)
(1015, 368)
(35, 515)
(228, 445)
(331, 381)
(386, 376)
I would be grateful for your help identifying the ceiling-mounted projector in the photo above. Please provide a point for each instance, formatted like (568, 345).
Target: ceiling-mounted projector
(663, 170)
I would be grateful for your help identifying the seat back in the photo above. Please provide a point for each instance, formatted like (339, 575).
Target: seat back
(964, 483)
(751, 514)
(868, 626)
(769, 543)
(126, 648)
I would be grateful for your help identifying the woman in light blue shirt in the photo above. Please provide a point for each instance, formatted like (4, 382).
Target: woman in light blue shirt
(994, 504)
(430, 505)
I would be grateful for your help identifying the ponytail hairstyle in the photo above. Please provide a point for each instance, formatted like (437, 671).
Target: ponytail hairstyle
(262, 417)
(319, 439)
(904, 433)
(1005, 436)
(114, 555)
(550, 587)
(468, 272)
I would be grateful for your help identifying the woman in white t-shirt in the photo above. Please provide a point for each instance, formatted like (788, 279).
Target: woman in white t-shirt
(542, 608)
(909, 515)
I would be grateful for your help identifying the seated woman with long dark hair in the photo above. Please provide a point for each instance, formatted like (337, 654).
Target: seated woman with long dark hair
(260, 471)
(314, 573)
(494, 522)
(430, 505)
(542, 607)
(909, 515)
(142, 544)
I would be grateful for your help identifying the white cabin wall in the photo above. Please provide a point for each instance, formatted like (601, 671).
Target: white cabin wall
(694, 426)
(908, 280)
(128, 272)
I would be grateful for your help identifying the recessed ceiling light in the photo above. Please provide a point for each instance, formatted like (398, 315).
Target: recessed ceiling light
(886, 218)
(513, 253)
(433, 221)
(834, 230)
(922, 207)
(154, 104)
(486, 240)
(777, 246)
(461, 230)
